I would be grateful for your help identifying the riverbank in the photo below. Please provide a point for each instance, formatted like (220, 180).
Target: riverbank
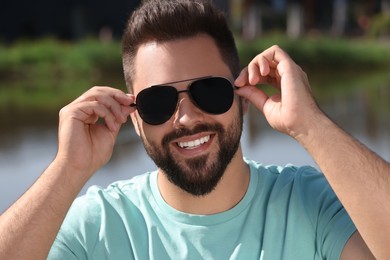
(43, 75)
(39, 77)
(320, 52)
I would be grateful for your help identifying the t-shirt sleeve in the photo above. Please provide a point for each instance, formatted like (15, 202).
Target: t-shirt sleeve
(333, 225)
(71, 241)
(60, 250)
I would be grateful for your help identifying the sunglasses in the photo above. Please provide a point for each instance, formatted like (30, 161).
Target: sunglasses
(157, 104)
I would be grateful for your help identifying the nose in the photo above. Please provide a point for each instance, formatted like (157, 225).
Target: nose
(187, 113)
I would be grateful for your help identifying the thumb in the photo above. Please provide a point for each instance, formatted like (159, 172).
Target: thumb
(256, 96)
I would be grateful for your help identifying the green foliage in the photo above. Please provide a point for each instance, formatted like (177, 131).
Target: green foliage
(319, 53)
(45, 75)
(52, 58)
(380, 26)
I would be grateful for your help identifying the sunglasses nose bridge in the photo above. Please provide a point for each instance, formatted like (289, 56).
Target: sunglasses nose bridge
(183, 91)
(178, 95)
(187, 111)
(190, 97)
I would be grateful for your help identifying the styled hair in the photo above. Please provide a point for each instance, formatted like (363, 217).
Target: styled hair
(167, 20)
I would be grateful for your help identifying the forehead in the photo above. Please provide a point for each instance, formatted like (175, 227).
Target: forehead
(157, 63)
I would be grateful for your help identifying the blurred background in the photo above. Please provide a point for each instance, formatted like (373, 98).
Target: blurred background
(52, 51)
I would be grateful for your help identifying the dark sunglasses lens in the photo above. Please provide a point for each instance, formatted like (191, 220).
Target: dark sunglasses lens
(213, 95)
(157, 104)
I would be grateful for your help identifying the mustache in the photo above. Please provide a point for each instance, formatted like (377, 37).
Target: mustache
(181, 132)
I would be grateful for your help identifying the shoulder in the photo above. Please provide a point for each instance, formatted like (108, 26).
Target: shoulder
(116, 192)
(91, 207)
(305, 184)
(101, 209)
(97, 221)
(300, 200)
(289, 174)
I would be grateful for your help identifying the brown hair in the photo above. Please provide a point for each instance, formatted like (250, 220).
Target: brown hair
(167, 20)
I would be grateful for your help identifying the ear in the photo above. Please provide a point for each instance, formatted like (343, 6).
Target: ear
(134, 120)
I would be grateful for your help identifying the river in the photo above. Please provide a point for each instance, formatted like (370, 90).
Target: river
(363, 112)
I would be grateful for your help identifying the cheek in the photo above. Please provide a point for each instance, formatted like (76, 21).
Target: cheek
(149, 133)
(152, 134)
(233, 113)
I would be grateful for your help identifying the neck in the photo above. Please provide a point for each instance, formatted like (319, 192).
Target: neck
(228, 193)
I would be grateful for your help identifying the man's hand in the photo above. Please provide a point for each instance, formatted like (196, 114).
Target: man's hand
(84, 143)
(293, 108)
(359, 177)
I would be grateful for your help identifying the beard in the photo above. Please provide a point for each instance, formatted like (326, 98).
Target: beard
(198, 176)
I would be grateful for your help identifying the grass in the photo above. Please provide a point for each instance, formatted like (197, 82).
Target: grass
(53, 58)
(323, 52)
(46, 74)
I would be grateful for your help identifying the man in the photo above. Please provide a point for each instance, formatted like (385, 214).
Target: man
(204, 201)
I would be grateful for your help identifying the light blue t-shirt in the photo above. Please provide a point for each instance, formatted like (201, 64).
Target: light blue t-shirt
(287, 213)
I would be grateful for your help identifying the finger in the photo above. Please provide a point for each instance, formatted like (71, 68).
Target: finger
(125, 101)
(123, 98)
(256, 96)
(261, 71)
(270, 58)
(133, 100)
(242, 79)
(257, 69)
(90, 112)
(98, 90)
(114, 106)
(111, 98)
(275, 54)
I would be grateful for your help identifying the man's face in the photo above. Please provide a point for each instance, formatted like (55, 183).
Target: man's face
(192, 148)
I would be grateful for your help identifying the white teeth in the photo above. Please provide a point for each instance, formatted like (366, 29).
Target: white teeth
(195, 143)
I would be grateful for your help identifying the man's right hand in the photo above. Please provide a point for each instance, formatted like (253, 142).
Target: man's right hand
(85, 144)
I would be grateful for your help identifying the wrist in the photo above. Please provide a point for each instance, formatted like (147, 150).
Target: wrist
(74, 176)
(314, 130)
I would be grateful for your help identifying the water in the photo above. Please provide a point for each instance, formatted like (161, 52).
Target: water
(23, 161)
(25, 153)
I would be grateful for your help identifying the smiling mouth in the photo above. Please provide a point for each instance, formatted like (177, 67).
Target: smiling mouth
(194, 144)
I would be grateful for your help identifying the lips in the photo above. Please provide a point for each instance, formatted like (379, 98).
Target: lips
(194, 143)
